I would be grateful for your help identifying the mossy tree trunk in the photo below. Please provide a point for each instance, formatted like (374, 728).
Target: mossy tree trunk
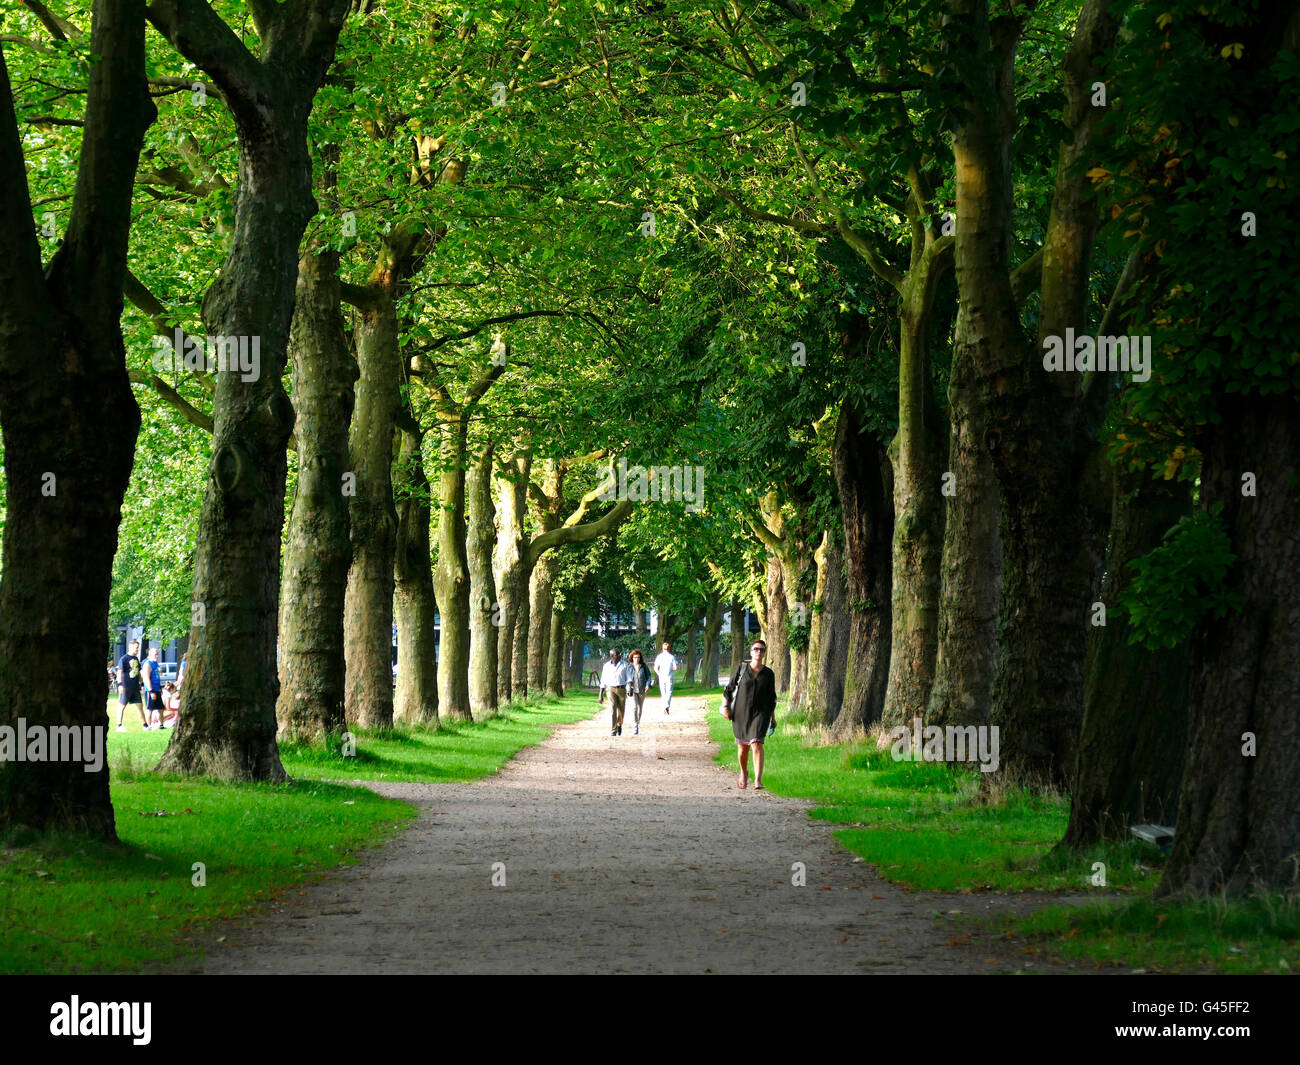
(415, 606)
(62, 366)
(317, 550)
(231, 682)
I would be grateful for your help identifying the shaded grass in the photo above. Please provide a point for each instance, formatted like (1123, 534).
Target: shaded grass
(1255, 935)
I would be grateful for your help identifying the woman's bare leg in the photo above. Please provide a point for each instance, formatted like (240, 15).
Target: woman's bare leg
(742, 749)
(758, 764)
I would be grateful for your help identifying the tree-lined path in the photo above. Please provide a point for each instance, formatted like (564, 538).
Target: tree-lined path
(619, 856)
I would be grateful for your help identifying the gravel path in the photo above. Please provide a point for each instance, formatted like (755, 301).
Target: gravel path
(635, 854)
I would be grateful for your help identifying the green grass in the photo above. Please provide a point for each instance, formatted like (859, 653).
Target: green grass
(933, 827)
(73, 906)
(457, 752)
(70, 905)
(1254, 935)
(928, 826)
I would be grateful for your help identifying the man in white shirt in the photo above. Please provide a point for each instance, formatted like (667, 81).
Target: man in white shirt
(665, 664)
(615, 676)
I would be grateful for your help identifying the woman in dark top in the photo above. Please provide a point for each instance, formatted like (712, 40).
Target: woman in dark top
(749, 701)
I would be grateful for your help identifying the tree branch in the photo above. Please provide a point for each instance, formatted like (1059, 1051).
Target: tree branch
(577, 534)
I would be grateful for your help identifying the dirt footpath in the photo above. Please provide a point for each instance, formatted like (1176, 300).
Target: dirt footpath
(635, 854)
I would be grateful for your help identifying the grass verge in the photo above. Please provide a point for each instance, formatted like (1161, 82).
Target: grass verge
(69, 905)
(928, 826)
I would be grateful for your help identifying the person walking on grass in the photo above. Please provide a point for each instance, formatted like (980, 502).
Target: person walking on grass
(128, 684)
(642, 678)
(615, 676)
(749, 703)
(665, 665)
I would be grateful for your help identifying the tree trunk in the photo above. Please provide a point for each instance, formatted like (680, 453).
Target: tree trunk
(317, 548)
(485, 610)
(368, 613)
(971, 569)
(739, 637)
(828, 642)
(863, 477)
(555, 655)
(774, 625)
(540, 600)
(62, 366)
(690, 654)
(231, 683)
(641, 623)
(1134, 729)
(1040, 433)
(416, 700)
(508, 561)
(451, 580)
(1239, 816)
(712, 626)
(576, 663)
(918, 520)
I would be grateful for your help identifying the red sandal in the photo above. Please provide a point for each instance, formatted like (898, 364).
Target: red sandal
(741, 783)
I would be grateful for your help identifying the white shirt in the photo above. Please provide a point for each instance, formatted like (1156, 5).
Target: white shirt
(665, 664)
(615, 674)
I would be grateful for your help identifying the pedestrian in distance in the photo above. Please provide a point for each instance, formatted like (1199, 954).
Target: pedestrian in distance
(153, 702)
(749, 703)
(665, 666)
(642, 679)
(128, 684)
(615, 677)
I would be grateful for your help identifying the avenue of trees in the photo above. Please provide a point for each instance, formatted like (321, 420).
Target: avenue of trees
(554, 307)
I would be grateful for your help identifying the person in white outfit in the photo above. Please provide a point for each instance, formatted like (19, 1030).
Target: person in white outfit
(665, 664)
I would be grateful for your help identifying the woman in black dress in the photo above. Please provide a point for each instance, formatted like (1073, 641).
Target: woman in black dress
(749, 701)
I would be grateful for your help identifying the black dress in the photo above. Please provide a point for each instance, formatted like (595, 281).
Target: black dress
(753, 703)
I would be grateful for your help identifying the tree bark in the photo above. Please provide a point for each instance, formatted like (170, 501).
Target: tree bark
(451, 579)
(509, 560)
(918, 518)
(62, 366)
(368, 613)
(1134, 729)
(485, 609)
(774, 625)
(712, 626)
(1239, 815)
(1040, 434)
(317, 548)
(971, 569)
(231, 682)
(416, 700)
(555, 655)
(863, 477)
(541, 598)
(828, 642)
(738, 636)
